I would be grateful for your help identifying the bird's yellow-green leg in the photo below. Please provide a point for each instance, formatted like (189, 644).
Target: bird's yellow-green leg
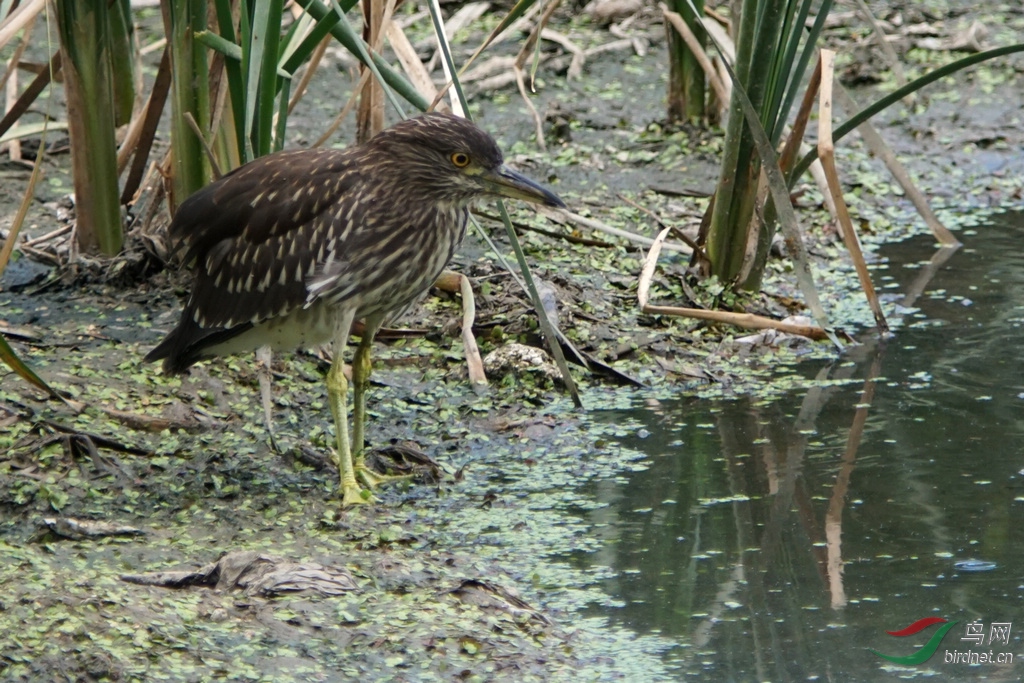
(360, 382)
(337, 396)
(361, 367)
(264, 357)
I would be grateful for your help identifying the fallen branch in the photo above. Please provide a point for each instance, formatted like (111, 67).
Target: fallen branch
(573, 239)
(33, 91)
(78, 529)
(10, 79)
(311, 66)
(18, 18)
(563, 215)
(256, 573)
(410, 61)
(47, 237)
(579, 57)
(744, 320)
(496, 73)
(147, 133)
(538, 123)
(657, 219)
(149, 423)
(530, 47)
(97, 439)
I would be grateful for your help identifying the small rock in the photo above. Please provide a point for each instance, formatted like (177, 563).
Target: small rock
(610, 11)
(516, 358)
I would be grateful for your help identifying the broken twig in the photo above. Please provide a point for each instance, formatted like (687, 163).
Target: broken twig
(744, 320)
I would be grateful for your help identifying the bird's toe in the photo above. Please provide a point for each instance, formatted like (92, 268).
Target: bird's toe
(355, 495)
(372, 479)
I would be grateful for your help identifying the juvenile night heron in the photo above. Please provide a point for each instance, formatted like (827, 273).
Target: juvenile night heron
(293, 247)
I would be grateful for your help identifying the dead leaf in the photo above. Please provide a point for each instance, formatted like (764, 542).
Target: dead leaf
(256, 574)
(490, 596)
(970, 39)
(69, 527)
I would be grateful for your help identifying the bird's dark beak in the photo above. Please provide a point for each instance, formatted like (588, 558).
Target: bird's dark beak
(507, 183)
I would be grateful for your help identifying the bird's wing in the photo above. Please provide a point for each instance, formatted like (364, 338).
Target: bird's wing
(257, 234)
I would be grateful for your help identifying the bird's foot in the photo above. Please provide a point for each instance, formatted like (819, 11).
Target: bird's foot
(372, 479)
(275, 445)
(353, 494)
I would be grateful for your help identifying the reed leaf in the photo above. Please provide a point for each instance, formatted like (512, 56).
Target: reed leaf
(183, 20)
(84, 30)
(122, 60)
(259, 66)
(354, 44)
(850, 124)
(551, 333)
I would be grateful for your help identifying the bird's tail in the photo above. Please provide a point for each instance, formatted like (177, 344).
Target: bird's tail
(187, 343)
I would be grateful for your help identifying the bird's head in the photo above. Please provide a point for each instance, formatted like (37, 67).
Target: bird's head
(448, 158)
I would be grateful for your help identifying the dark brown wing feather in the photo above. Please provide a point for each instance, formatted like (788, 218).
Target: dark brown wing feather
(254, 236)
(294, 228)
(254, 231)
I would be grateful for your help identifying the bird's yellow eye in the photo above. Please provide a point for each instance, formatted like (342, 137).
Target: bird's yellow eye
(460, 159)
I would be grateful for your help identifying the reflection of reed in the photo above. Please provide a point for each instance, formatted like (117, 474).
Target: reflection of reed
(737, 443)
(765, 541)
(915, 289)
(834, 515)
(789, 490)
(732, 536)
(782, 458)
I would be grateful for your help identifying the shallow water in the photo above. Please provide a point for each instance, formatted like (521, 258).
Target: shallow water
(780, 541)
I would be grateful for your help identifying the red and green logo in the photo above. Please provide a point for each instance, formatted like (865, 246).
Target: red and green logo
(925, 651)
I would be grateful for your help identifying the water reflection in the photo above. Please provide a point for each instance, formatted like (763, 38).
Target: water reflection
(780, 542)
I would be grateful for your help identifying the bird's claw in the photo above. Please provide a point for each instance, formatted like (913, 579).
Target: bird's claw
(369, 478)
(374, 479)
(274, 444)
(353, 494)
